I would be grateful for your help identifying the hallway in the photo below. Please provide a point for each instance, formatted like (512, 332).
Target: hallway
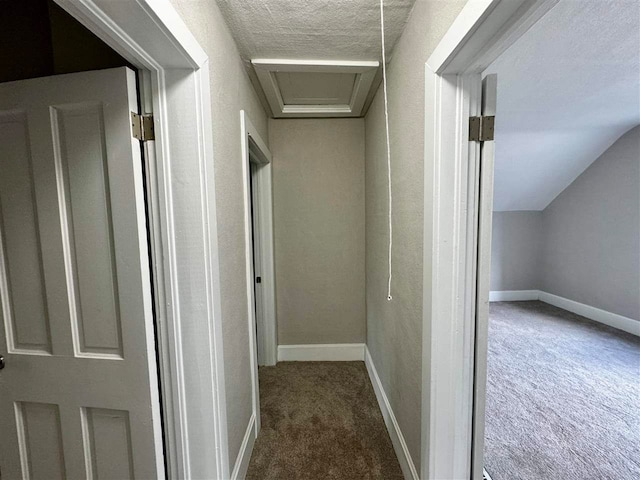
(256, 239)
(321, 420)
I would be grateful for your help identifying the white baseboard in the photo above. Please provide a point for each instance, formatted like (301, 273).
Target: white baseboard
(397, 439)
(246, 448)
(513, 295)
(336, 352)
(612, 319)
(596, 314)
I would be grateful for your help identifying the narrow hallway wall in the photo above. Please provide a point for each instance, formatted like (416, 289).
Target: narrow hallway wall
(231, 91)
(394, 329)
(318, 195)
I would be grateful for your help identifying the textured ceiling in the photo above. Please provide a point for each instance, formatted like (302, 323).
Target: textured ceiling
(313, 29)
(567, 90)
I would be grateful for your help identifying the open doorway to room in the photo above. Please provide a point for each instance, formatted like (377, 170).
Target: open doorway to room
(80, 395)
(563, 358)
(460, 125)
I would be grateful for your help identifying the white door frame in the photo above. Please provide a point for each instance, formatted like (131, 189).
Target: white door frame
(454, 366)
(256, 152)
(253, 147)
(182, 222)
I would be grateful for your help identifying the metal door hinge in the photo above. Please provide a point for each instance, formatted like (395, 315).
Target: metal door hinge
(142, 126)
(481, 128)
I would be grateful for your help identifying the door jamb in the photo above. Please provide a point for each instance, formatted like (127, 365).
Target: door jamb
(182, 220)
(481, 32)
(254, 147)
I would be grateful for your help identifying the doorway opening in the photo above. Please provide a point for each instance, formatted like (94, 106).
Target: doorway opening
(565, 250)
(174, 84)
(260, 254)
(260, 266)
(463, 219)
(152, 42)
(77, 296)
(76, 284)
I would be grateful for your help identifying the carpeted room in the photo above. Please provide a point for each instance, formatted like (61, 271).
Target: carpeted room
(563, 377)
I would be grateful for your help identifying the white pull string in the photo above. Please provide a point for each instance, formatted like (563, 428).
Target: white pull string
(386, 120)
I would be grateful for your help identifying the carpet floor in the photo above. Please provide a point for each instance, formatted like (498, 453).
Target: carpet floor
(321, 420)
(563, 396)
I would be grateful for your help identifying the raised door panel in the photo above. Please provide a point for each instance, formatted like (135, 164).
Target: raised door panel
(107, 439)
(40, 441)
(79, 140)
(24, 305)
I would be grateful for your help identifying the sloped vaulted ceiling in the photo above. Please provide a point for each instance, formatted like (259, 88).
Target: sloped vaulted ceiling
(567, 90)
(313, 29)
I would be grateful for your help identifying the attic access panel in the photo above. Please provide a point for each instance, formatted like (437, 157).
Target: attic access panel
(315, 88)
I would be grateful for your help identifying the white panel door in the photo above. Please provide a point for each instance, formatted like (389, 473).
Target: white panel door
(485, 212)
(78, 393)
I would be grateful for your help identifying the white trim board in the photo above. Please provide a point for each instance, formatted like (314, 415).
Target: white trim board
(596, 314)
(246, 449)
(336, 352)
(259, 248)
(614, 320)
(514, 295)
(266, 70)
(397, 439)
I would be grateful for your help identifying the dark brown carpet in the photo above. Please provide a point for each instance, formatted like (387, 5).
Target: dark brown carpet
(321, 420)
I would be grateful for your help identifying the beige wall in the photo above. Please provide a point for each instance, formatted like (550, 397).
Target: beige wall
(394, 329)
(231, 92)
(318, 199)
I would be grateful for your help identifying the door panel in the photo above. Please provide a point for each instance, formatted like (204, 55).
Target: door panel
(485, 212)
(79, 395)
(40, 440)
(23, 295)
(105, 429)
(88, 229)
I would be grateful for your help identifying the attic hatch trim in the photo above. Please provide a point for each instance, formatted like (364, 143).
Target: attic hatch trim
(364, 72)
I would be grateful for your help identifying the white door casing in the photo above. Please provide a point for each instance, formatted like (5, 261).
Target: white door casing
(256, 159)
(455, 230)
(79, 391)
(263, 257)
(257, 258)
